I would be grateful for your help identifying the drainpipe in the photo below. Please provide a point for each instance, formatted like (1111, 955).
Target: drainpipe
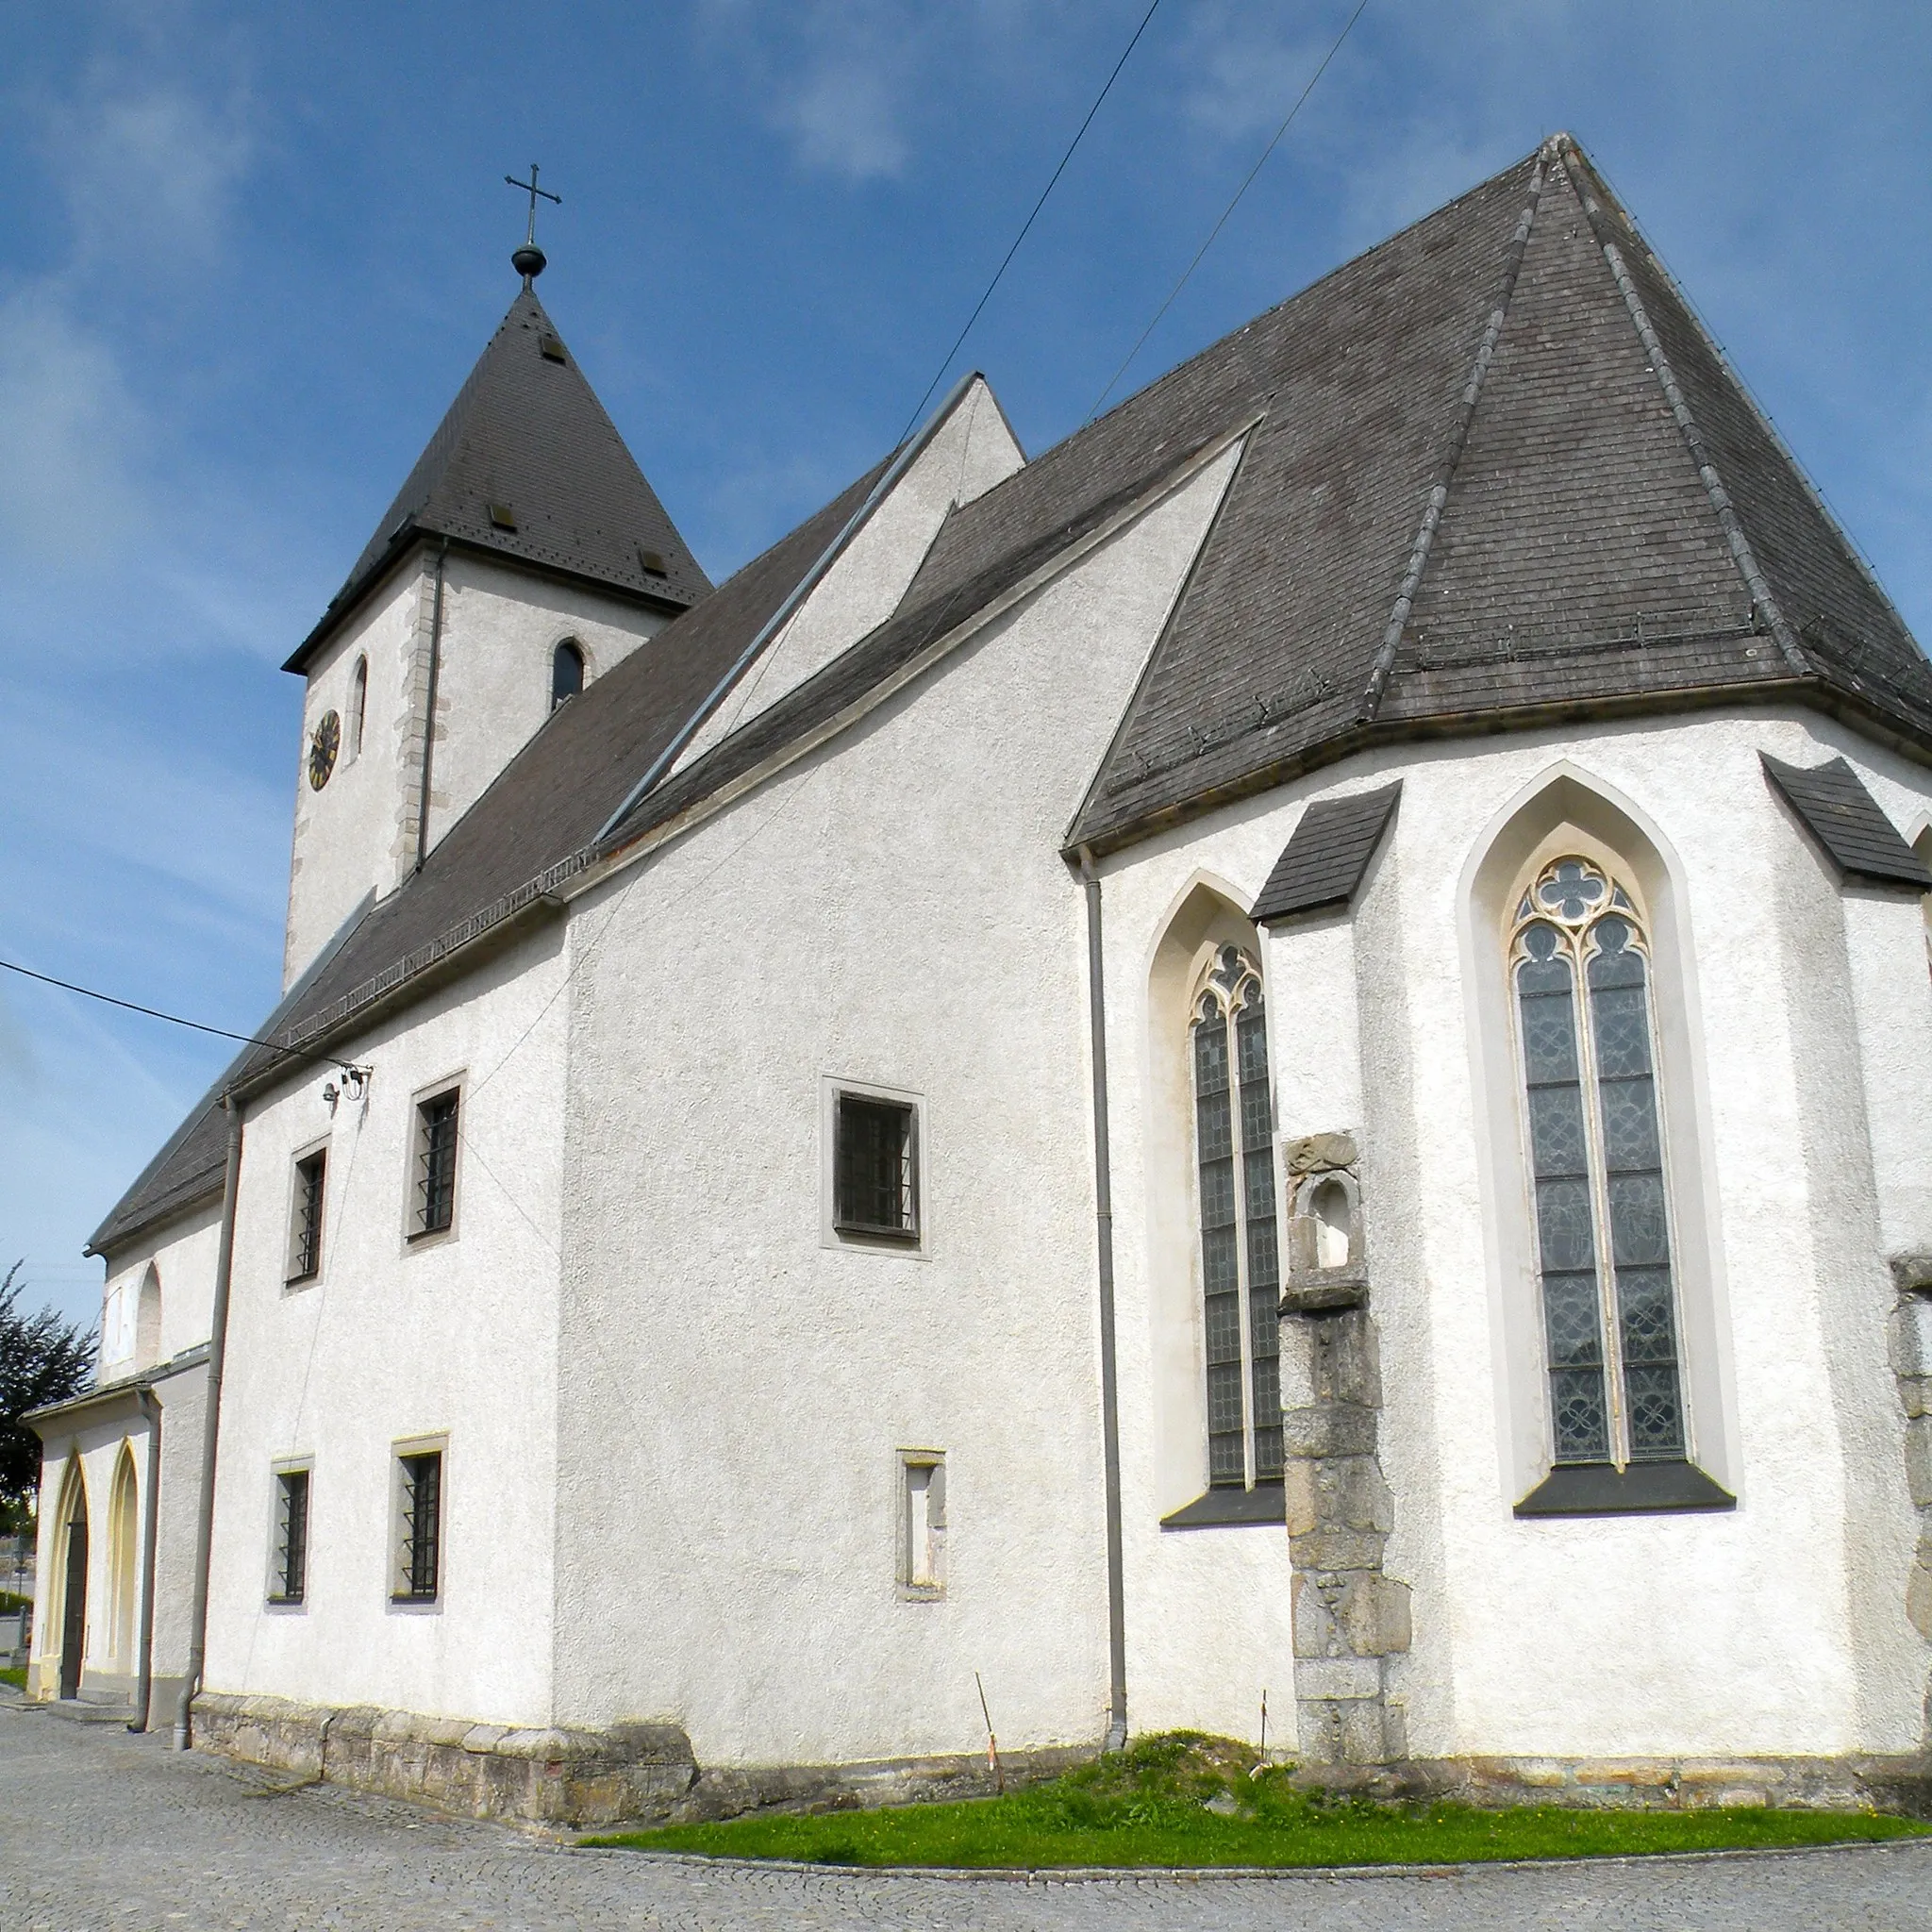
(150, 1527)
(429, 724)
(1109, 1381)
(211, 1418)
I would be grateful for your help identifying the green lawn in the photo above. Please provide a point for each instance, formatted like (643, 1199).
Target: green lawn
(16, 1678)
(1150, 1806)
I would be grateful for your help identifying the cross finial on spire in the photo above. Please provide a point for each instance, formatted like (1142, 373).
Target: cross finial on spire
(528, 261)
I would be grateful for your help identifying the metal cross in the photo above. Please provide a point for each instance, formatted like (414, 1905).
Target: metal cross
(531, 188)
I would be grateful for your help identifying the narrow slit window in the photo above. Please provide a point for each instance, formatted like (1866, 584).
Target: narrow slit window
(290, 1578)
(305, 1224)
(923, 1525)
(566, 673)
(1239, 1227)
(875, 1176)
(358, 707)
(419, 1526)
(1581, 966)
(435, 1204)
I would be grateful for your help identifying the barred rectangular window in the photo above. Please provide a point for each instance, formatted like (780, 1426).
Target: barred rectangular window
(290, 1569)
(305, 1220)
(876, 1168)
(435, 1202)
(419, 1526)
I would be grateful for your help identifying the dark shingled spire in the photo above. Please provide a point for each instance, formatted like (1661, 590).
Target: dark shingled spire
(528, 466)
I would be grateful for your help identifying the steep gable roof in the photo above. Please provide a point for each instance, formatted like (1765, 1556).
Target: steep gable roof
(1503, 474)
(527, 436)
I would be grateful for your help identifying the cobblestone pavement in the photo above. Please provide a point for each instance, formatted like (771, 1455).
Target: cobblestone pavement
(101, 1832)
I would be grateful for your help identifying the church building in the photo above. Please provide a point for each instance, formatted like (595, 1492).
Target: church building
(1283, 1052)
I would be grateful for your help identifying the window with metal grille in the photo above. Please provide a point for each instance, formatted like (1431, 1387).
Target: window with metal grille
(566, 672)
(435, 1202)
(419, 1525)
(1241, 1240)
(305, 1219)
(1580, 970)
(291, 1570)
(876, 1168)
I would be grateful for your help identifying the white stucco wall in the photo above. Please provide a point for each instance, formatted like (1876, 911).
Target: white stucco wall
(1777, 1627)
(182, 1254)
(967, 454)
(452, 1336)
(892, 911)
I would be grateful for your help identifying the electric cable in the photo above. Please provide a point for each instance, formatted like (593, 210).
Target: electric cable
(1028, 224)
(1187, 273)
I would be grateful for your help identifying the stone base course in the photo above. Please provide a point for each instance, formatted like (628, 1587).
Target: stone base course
(1898, 1785)
(632, 1774)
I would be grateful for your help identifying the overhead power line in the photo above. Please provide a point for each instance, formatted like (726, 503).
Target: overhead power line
(1028, 224)
(1188, 273)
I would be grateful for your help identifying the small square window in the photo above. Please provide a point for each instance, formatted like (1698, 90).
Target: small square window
(304, 1217)
(550, 347)
(923, 1523)
(876, 1168)
(433, 1203)
(289, 1573)
(418, 1528)
(502, 516)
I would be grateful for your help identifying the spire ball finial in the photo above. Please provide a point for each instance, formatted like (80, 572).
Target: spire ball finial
(530, 261)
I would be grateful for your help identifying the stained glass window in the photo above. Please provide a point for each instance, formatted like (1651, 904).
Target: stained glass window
(1581, 972)
(1241, 1241)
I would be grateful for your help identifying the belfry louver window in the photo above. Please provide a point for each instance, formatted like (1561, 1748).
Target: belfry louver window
(1241, 1244)
(1580, 968)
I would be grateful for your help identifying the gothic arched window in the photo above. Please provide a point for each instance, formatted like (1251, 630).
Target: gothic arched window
(1580, 967)
(1241, 1266)
(566, 673)
(358, 707)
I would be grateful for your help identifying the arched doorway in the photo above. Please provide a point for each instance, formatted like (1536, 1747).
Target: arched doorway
(123, 1562)
(74, 1585)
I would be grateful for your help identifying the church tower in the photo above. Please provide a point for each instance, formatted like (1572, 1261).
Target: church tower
(525, 555)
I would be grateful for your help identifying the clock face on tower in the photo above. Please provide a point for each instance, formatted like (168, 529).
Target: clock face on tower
(323, 748)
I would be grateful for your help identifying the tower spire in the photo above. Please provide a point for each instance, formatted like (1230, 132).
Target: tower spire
(529, 260)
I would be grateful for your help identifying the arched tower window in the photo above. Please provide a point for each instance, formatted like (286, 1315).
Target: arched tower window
(1240, 1267)
(148, 1321)
(358, 707)
(566, 672)
(1580, 970)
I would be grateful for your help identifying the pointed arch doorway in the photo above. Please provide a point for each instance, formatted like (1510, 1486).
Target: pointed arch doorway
(73, 1592)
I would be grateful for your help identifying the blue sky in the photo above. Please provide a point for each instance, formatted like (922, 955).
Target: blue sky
(251, 252)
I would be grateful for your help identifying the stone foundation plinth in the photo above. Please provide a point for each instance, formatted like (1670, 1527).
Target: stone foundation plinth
(640, 1773)
(1898, 1785)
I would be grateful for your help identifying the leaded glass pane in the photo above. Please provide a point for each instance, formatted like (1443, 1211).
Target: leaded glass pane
(1577, 1411)
(1555, 1130)
(1217, 1196)
(1264, 1259)
(1655, 1412)
(1572, 1320)
(1638, 1236)
(1648, 1323)
(1629, 1116)
(1564, 1225)
(1224, 1327)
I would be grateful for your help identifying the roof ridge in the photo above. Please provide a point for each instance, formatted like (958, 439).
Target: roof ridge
(1574, 165)
(1459, 441)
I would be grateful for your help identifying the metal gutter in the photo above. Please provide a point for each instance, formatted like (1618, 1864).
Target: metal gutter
(211, 1431)
(909, 452)
(1109, 1376)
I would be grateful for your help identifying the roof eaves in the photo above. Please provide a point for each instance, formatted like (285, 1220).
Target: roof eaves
(1384, 665)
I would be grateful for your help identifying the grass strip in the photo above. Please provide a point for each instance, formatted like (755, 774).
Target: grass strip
(1184, 1800)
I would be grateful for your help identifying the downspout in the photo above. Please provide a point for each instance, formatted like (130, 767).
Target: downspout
(429, 723)
(150, 1528)
(1109, 1379)
(211, 1421)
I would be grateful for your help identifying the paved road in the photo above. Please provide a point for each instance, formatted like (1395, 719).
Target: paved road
(101, 1832)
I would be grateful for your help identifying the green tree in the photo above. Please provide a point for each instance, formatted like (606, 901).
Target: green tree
(43, 1358)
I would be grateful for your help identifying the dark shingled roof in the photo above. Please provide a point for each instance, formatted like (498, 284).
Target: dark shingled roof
(1495, 473)
(1328, 855)
(527, 434)
(1845, 820)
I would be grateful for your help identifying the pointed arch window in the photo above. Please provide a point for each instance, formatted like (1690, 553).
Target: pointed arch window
(358, 707)
(1241, 1244)
(1581, 974)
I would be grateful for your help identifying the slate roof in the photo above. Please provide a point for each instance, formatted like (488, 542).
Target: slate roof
(1846, 820)
(1495, 473)
(1328, 855)
(527, 434)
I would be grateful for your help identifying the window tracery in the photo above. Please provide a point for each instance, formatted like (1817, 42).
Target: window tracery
(1240, 1265)
(1580, 970)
